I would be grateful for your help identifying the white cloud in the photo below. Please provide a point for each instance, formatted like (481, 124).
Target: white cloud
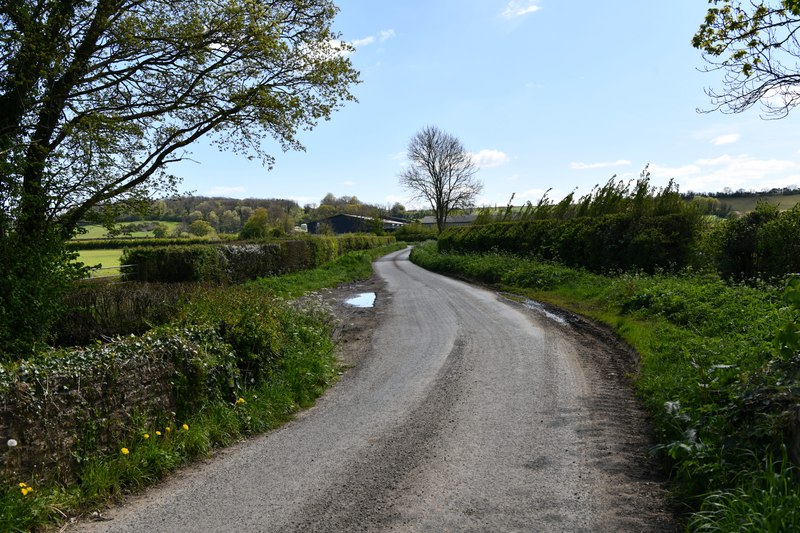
(517, 8)
(363, 42)
(490, 158)
(223, 191)
(348, 183)
(725, 139)
(587, 166)
(383, 35)
(741, 171)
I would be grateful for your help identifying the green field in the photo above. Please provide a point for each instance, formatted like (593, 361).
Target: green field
(96, 231)
(105, 258)
(745, 205)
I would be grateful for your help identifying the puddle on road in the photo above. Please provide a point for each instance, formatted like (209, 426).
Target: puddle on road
(365, 299)
(539, 308)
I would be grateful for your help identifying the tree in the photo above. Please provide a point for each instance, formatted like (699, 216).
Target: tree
(200, 228)
(256, 226)
(99, 97)
(440, 172)
(756, 46)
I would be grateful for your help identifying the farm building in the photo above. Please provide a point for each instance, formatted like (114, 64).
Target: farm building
(352, 224)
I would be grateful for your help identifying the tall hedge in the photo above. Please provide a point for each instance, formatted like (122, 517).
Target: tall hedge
(622, 241)
(224, 263)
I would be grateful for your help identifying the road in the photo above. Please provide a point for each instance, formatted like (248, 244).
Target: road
(468, 413)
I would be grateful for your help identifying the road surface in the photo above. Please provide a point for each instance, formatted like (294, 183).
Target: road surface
(469, 412)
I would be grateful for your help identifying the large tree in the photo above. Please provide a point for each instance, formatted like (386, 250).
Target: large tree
(99, 97)
(440, 172)
(755, 45)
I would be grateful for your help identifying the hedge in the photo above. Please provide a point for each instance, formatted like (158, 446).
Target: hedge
(233, 263)
(609, 242)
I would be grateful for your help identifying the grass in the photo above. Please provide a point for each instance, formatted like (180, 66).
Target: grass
(716, 386)
(105, 258)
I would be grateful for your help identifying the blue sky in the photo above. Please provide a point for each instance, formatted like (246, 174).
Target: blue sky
(544, 93)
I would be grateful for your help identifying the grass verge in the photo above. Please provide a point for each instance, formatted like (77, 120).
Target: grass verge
(720, 388)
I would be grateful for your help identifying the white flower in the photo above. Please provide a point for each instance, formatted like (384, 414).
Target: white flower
(11, 443)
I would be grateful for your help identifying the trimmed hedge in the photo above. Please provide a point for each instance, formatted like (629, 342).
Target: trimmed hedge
(234, 263)
(109, 244)
(609, 242)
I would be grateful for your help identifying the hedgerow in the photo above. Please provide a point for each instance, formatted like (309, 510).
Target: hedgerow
(226, 263)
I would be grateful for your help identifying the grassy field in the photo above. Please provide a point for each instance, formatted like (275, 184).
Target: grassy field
(96, 231)
(104, 258)
(745, 205)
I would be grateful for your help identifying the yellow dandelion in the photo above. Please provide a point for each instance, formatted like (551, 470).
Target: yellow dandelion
(240, 401)
(147, 435)
(125, 451)
(24, 491)
(22, 485)
(158, 433)
(167, 429)
(186, 427)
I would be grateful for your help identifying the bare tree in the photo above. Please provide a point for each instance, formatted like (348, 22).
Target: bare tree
(440, 172)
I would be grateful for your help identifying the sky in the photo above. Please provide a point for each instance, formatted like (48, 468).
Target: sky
(545, 94)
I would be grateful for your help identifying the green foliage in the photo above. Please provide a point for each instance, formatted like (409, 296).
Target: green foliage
(34, 274)
(414, 233)
(256, 226)
(764, 242)
(200, 228)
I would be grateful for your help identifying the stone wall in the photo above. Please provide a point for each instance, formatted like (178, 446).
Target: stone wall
(58, 415)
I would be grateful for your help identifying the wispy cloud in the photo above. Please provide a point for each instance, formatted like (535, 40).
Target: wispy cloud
(606, 164)
(223, 191)
(518, 8)
(383, 36)
(725, 139)
(363, 42)
(349, 183)
(490, 158)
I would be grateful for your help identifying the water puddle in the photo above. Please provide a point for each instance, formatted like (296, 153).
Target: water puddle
(365, 299)
(539, 308)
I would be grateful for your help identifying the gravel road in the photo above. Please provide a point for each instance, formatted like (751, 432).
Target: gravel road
(463, 411)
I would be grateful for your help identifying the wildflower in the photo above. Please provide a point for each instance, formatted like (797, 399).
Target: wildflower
(125, 451)
(158, 433)
(240, 401)
(11, 443)
(186, 427)
(25, 491)
(147, 435)
(22, 485)
(167, 429)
